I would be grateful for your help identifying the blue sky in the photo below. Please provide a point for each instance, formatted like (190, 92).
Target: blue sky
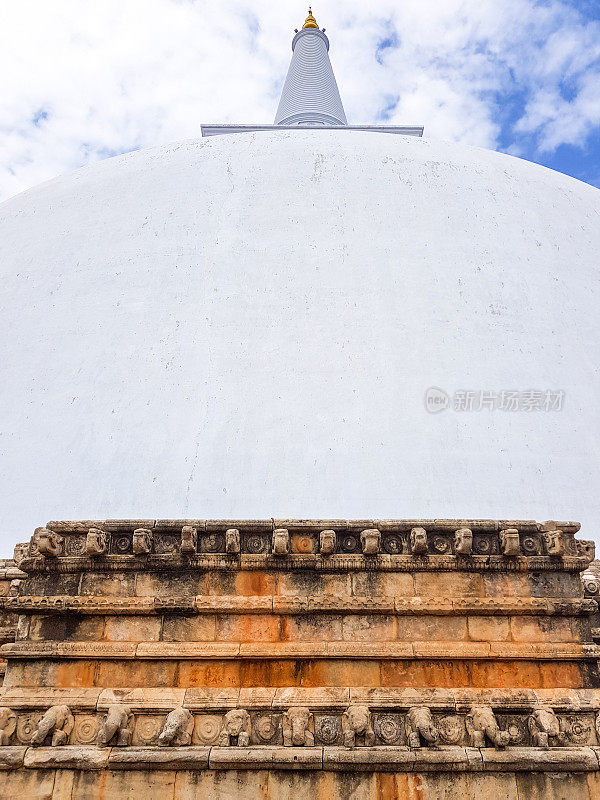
(80, 82)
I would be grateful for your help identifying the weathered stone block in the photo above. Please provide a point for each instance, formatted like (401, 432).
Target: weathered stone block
(307, 627)
(431, 628)
(489, 629)
(132, 629)
(449, 584)
(197, 628)
(248, 628)
(360, 627)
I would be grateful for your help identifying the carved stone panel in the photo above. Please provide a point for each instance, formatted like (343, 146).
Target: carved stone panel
(266, 728)
(85, 729)
(328, 729)
(212, 543)
(516, 725)
(579, 729)
(27, 726)
(121, 544)
(255, 543)
(393, 544)
(389, 728)
(147, 729)
(451, 729)
(207, 728)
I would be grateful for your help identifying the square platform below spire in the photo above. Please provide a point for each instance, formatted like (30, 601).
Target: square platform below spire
(405, 130)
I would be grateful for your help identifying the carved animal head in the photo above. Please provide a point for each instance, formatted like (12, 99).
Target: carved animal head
(546, 721)
(46, 542)
(358, 718)
(8, 724)
(586, 549)
(178, 727)
(370, 540)
(297, 721)
(418, 541)
(232, 541)
(236, 721)
(509, 540)
(281, 542)
(59, 721)
(420, 720)
(463, 541)
(20, 553)
(554, 542)
(95, 542)
(327, 541)
(142, 541)
(189, 539)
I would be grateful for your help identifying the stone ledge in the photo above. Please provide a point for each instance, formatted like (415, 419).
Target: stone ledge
(199, 699)
(281, 604)
(167, 562)
(67, 757)
(178, 651)
(12, 757)
(365, 759)
(192, 758)
(66, 527)
(265, 757)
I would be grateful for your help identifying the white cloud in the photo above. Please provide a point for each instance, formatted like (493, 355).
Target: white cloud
(81, 80)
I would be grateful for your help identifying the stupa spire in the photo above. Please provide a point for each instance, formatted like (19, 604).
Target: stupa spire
(311, 22)
(310, 94)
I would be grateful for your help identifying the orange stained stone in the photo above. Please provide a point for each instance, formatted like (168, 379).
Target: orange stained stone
(340, 672)
(255, 583)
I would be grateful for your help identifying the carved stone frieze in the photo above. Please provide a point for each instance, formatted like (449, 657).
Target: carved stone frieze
(328, 729)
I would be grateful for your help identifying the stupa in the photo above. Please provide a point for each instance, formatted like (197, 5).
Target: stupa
(261, 322)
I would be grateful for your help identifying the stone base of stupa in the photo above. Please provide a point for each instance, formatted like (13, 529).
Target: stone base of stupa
(360, 660)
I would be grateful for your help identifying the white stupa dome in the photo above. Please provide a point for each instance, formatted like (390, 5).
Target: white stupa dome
(246, 326)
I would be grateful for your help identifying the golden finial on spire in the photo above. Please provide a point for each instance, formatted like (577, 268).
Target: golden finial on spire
(311, 22)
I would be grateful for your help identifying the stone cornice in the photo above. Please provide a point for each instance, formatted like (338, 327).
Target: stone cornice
(280, 604)
(162, 699)
(335, 563)
(366, 759)
(499, 651)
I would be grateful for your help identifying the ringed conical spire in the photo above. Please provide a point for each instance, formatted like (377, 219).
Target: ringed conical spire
(310, 94)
